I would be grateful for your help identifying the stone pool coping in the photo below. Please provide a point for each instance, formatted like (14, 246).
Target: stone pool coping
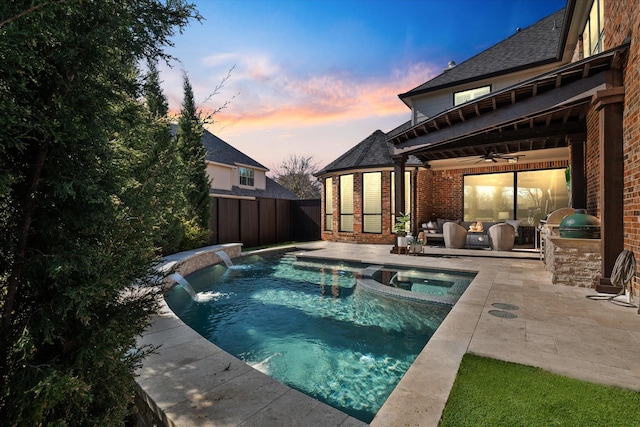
(190, 381)
(193, 382)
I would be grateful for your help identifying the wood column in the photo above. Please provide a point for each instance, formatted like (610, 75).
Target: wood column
(398, 172)
(609, 104)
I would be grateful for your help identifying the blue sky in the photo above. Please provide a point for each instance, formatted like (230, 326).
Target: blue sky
(316, 77)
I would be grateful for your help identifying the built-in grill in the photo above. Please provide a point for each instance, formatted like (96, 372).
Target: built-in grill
(580, 225)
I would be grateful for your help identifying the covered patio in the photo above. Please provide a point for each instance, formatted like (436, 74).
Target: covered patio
(568, 117)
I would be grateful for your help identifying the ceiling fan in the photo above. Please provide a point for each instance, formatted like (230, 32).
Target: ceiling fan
(493, 156)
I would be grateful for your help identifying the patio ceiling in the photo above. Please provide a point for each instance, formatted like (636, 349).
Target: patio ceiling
(540, 113)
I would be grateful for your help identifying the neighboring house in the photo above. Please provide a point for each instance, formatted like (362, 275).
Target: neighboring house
(233, 174)
(575, 103)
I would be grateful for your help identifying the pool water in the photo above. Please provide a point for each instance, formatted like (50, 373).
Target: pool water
(425, 281)
(306, 324)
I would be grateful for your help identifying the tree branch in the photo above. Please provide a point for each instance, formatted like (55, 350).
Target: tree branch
(31, 9)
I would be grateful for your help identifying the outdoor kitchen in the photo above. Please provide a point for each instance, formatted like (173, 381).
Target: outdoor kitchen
(570, 247)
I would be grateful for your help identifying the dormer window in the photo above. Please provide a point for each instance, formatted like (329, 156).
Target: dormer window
(593, 33)
(467, 95)
(246, 177)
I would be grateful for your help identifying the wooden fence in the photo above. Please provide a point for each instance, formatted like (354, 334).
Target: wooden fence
(262, 221)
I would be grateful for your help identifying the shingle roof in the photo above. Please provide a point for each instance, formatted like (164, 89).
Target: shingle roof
(273, 190)
(221, 152)
(374, 151)
(534, 45)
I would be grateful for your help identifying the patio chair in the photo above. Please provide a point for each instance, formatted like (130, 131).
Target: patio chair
(455, 235)
(502, 237)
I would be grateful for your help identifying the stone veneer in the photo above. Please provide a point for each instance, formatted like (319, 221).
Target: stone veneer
(187, 262)
(573, 262)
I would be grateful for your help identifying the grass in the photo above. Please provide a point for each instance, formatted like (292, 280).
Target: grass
(489, 392)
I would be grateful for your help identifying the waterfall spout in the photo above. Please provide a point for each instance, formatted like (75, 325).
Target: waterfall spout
(224, 257)
(185, 285)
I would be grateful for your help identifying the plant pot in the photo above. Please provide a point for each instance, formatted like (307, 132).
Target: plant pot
(402, 241)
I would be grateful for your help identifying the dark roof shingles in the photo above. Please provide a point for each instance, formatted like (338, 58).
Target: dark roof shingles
(374, 151)
(533, 45)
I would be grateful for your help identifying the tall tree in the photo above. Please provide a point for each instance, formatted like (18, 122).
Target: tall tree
(193, 154)
(76, 214)
(296, 174)
(171, 179)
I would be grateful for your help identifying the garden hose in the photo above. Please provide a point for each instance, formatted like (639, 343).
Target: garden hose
(622, 273)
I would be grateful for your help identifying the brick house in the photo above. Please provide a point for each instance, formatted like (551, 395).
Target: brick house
(560, 93)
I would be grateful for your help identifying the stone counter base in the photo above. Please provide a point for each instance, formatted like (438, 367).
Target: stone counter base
(573, 262)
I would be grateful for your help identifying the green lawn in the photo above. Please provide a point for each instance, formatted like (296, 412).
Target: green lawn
(489, 392)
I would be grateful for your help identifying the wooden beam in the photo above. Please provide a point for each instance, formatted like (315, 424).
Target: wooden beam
(577, 91)
(461, 114)
(610, 106)
(558, 80)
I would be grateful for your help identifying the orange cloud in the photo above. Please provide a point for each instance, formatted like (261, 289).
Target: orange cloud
(287, 102)
(267, 96)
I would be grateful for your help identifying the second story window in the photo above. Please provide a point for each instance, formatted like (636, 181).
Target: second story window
(246, 177)
(593, 33)
(467, 95)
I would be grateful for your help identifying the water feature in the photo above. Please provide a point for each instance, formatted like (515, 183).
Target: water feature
(224, 257)
(306, 324)
(185, 285)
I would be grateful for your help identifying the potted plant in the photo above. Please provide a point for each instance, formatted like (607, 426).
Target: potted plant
(416, 246)
(400, 228)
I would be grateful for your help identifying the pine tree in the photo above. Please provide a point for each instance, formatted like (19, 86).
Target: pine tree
(76, 213)
(193, 155)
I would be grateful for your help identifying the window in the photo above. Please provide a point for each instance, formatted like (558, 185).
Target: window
(407, 198)
(372, 202)
(246, 177)
(467, 95)
(539, 193)
(593, 33)
(346, 203)
(528, 196)
(328, 204)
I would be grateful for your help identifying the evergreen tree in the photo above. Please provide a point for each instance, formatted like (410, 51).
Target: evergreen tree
(193, 154)
(76, 211)
(171, 173)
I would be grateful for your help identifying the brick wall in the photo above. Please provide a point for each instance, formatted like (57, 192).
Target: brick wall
(358, 236)
(622, 20)
(448, 192)
(592, 163)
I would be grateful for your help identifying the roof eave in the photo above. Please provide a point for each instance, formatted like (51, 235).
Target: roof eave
(413, 93)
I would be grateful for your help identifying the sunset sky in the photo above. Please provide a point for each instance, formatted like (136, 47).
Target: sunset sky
(316, 77)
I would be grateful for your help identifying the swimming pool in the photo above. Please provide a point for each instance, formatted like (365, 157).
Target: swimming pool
(305, 323)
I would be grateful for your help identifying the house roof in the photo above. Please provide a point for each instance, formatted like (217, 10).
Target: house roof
(374, 151)
(535, 45)
(535, 114)
(220, 152)
(273, 190)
